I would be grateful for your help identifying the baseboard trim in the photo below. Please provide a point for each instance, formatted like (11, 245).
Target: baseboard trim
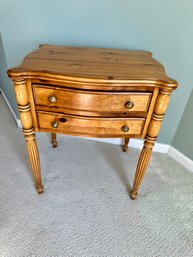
(136, 143)
(159, 147)
(180, 158)
(18, 122)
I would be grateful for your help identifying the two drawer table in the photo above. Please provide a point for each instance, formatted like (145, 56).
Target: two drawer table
(91, 92)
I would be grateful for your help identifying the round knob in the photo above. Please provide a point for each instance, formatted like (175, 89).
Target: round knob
(129, 105)
(54, 124)
(125, 128)
(52, 99)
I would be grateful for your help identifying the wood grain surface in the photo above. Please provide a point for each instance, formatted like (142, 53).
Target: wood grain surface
(94, 65)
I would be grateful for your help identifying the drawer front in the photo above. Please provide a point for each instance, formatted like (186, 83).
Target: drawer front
(96, 127)
(91, 101)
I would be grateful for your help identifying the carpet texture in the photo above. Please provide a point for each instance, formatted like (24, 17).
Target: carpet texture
(85, 209)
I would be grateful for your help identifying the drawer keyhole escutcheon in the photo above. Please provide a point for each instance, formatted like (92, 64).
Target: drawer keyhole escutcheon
(63, 120)
(129, 105)
(54, 124)
(52, 99)
(125, 128)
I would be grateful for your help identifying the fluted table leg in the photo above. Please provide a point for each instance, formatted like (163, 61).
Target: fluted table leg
(28, 130)
(34, 161)
(152, 132)
(141, 167)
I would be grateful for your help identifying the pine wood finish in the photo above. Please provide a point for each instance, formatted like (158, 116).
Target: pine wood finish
(92, 92)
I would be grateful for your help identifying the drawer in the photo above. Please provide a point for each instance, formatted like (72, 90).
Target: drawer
(93, 127)
(103, 102)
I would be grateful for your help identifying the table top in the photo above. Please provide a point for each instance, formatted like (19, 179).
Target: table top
(93, 64)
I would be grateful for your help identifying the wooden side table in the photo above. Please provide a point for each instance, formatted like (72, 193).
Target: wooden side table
(91, 92)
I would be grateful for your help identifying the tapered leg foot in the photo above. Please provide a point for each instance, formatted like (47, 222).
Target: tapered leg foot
(54, 141)
(142, 166)
(125, 145)
(34, 161)
(39, 189)
(133, 195)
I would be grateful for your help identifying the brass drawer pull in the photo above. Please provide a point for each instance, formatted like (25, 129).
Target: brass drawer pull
(125, 128)
(54, 124)
(52, 99)
(129, 105)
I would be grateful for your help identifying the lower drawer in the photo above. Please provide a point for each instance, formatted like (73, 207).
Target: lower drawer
(93, 127)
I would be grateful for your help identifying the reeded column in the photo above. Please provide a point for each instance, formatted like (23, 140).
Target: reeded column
(28, 130)
(152, 132)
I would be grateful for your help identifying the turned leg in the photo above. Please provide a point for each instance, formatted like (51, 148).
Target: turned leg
(28, 130)
(141, 166)
(125, 145)
(152, 132)
(54, 141)
(34, 161)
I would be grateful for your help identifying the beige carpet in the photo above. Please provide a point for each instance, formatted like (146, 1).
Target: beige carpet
(85, 209)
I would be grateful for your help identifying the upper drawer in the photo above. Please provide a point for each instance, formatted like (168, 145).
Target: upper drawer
(91, 100)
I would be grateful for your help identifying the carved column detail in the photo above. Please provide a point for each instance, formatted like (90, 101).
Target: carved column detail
(152, 132)
(21, 94)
